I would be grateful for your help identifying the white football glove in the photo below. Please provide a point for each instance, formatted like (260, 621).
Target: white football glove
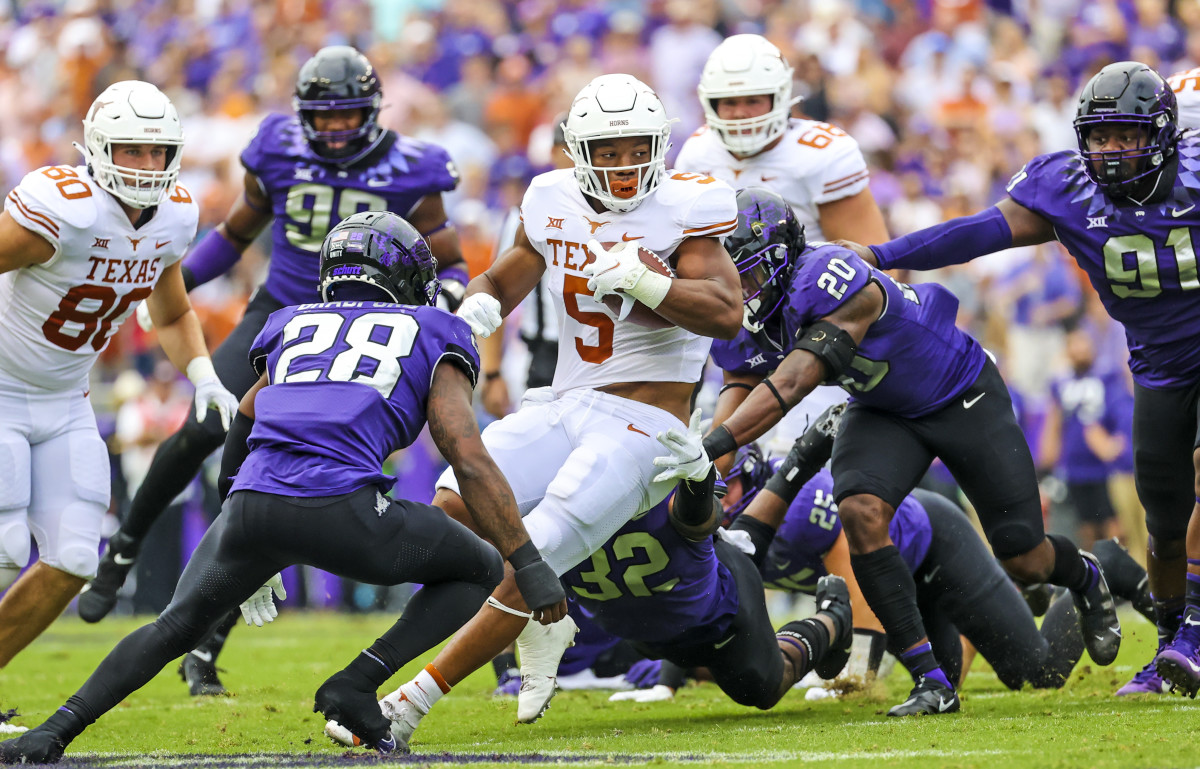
(739, 539)
(481, 311)
(656, 693)
(259, 609)
(688, 461)
(142, 315)
(617, 268)
(210, 393)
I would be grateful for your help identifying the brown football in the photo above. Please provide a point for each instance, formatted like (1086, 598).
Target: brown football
(641, 314)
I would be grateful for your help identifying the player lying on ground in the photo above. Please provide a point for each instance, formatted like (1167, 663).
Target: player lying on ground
(666, 584)
(306, 449)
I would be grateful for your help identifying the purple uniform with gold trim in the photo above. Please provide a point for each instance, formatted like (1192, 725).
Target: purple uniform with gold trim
(1140, 259)
(913, 360)
(795, 560)
(348, 384)
(651, 585)
(310, 194)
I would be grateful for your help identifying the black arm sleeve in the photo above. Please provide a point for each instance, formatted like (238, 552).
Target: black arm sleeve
(235, 452)
(696, 513)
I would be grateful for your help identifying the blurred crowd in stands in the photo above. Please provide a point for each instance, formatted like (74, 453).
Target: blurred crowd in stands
(947, 98)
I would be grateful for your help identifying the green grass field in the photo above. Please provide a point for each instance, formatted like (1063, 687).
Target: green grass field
(274, 671)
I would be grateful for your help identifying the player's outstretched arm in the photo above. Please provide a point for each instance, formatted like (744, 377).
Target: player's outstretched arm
(821, 352)
(1005, 225)
(706, 296)
(20, 247)
(182, 339)
(734, 390)
(222, 247)
(486, 493)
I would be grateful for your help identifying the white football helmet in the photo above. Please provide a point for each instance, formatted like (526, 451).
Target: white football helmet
(132, 112)
(747, 65)
(609, 107)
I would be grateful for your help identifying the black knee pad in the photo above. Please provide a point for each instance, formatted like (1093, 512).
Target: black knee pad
(1012, 538)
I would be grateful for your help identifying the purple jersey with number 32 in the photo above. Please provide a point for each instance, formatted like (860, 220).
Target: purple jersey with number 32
(648, 583)
(348, 383)
(1140, 259)
(913, 359)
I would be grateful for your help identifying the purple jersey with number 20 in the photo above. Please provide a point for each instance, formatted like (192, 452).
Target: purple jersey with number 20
(913, 359)
(348, 383)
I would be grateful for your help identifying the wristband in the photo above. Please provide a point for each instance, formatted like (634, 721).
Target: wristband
(524, 555)
(489, 376)
(200, 368)
(719, 442)
(651, 288)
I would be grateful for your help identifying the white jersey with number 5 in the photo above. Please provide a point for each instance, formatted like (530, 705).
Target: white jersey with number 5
(595, 349)
(1186, 86)
(814, 163)
(56, 317)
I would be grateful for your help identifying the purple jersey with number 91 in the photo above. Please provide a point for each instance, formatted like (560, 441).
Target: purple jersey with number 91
(348, 383)
(1140, 259)
(913, 359)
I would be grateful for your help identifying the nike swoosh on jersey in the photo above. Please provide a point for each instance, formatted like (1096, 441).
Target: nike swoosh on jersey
(722, 643)
(160, 245)
(625, 237)
(1177, 212)
(633, 429)
(969, 403)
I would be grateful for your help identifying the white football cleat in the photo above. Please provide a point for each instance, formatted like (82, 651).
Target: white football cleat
(656, 693)
(540, 648)
(404, 715)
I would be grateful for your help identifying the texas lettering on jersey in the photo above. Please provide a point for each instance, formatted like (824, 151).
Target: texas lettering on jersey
(56, 317)
(597, 349)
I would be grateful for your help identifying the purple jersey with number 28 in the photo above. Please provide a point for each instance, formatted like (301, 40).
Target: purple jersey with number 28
(348, 383)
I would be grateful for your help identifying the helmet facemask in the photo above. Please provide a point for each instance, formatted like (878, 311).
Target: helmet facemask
(741, 66)
(597, 181)
(764, 274)
(1120, 171)
(336, 78)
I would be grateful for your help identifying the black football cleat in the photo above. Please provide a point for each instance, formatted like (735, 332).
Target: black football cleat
(929, 697)
(201, 676)
(833, 598)
(1098, 617)
(355, 710)
(37, 746)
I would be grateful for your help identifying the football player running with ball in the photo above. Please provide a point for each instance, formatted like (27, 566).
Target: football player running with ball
(377, 362)
(920, 388)
(1125, 206)
(580, 454)
(80, 248)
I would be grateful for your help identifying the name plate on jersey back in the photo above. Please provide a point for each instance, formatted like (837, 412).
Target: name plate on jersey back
(637, 312)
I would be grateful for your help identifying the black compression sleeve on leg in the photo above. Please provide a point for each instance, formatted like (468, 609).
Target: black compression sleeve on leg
(888, 586)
